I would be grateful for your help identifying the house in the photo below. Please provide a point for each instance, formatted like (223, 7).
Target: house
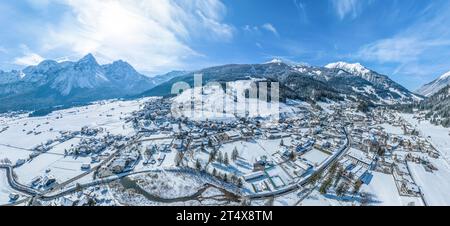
(247, 132)
(36, 181)
(85, 167)
(303, 165)
(48, 181)
(13, 197)
(67, 202)
(273, 135)
(410, 188)
(360, 157)
(20, 162)
(119, 165)
(261, 163)
(254, 175)
(233, 135)
(34, 154)
(305, 147)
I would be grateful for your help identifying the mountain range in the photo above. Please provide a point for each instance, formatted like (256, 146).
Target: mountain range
(67, 83)
(334, 81)
(435, 86)
(439, 107)
(54, 83)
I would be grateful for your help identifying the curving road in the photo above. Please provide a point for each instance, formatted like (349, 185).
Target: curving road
(15, 184)
(305, 181)
(46, 197)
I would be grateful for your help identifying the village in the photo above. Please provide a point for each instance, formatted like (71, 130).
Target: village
(331, 149)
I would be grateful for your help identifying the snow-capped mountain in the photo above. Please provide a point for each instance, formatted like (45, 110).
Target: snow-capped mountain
(84, 74)
(52, 83)
(355, 68)
(378, 81)
(275, 61)
(10, 77)
(306, 82)
(365, 73)
(435, 86)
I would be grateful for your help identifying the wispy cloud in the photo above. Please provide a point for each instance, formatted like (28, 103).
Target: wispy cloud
(38, 4)
(259, 29)
(3, 50)
(348, 8)
(301, 9)
(399, 49)
(28, 59)
(419, 50)
(249, 28)
(153, 35)
(269, 27)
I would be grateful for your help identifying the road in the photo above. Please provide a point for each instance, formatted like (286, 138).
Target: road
(32, 192)
(15, 184)
(44, 195)
(305, 180)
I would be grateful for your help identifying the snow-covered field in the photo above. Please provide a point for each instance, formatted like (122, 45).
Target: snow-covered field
(13, 154)
(169, 185)
(5, 189)
(392, 129)
(436, 185)
(250, 150)
(315, 157)
(385, 193)
(439, 135)
(26, 132)
(317, 199)
(213, 103)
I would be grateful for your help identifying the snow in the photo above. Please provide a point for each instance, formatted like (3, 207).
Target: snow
(317, 199)
(213, 103)
(392, 129)
(439, 135)
(326, 107)
(385, 192)
(16, 143)
(62, 168)
(436, 185)
(446, 75)
(251, 150)
(371, 90)
(13, 154)
(5, 189)
(398, 92)
(106, 114)
(169, 185)
(275, 61)
(355, 68)
(316, 157)
(434, 87)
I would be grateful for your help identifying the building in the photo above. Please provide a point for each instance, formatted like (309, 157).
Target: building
(254, 175)
(85, 167)
(305, 147)
(119, 165)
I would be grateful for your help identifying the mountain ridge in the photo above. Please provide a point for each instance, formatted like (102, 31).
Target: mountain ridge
(51, 83)
(435, 86)
(332, 82)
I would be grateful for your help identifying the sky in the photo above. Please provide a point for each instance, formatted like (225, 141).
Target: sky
(408, 40)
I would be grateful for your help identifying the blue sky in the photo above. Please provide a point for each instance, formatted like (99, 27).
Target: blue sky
(405, 39)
